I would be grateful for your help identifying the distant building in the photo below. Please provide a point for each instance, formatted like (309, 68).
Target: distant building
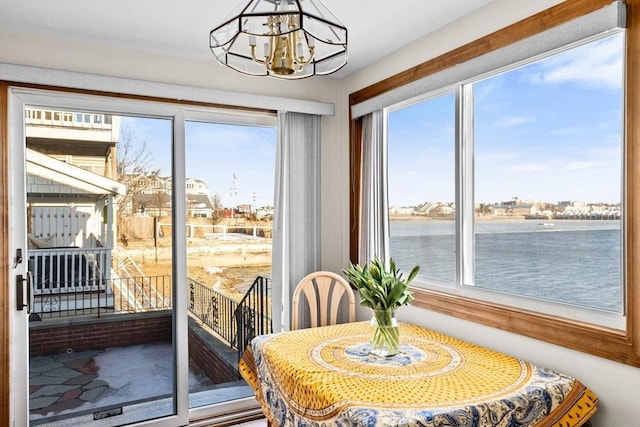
(514, 208)
(151, 195)
(402, 210)
(437, 210)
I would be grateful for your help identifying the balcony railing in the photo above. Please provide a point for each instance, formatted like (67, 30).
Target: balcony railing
(62, 270)
(253, 314)
(213, 309)
(71, 282)
(122, 295)
(235, 322)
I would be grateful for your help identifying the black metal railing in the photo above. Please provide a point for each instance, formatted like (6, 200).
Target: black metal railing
(126, 295)
(253, 314)
(235, 322)
(212, 308)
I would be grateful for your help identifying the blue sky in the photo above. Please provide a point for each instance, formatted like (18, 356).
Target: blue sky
(548, 131)
(215, 153)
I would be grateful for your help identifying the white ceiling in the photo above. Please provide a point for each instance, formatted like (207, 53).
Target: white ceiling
(181, 27)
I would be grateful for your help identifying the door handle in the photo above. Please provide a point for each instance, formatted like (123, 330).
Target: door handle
(18, 258)
(20, 293)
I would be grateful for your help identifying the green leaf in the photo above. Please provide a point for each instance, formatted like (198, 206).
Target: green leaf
(381, 286)
(413, 274)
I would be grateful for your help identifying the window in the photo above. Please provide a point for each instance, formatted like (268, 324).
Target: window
(556, 160)
(546, 181)
(422, 176)
(548, 146)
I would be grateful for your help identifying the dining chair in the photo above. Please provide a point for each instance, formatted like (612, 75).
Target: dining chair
(323, 292)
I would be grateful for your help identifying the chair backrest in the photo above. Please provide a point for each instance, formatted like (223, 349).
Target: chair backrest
(323, 291)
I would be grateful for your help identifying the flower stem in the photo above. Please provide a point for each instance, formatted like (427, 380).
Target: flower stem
(386, 336)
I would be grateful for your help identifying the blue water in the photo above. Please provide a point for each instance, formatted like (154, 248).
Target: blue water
(574, 262)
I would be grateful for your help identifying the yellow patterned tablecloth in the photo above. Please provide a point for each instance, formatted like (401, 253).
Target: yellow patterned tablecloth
(326, 377)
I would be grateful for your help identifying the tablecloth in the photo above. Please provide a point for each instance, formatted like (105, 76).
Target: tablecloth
(326, 377)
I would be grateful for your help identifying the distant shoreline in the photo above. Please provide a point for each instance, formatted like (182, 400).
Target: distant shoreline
(427, 218)
(418, 218)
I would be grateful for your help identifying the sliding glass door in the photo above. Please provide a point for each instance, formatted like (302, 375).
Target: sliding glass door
(229, 212)
(143, 236)
(100, 328)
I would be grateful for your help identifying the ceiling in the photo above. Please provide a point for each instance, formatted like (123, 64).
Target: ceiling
(376, 28)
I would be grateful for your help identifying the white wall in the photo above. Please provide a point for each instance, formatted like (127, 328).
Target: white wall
(73, 55)
(616, 385)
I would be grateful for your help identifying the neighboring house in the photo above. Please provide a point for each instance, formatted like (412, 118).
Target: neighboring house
(196, 186)
(71, 206)
(147, 183)
(71, 225)
(86, 140)
(199, 206)
(151, 195)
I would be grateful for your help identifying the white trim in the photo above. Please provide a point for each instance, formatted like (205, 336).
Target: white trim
(179, 255)
(19, 320)
(601, 21)
(95, 82)
(72, 175)
(242, 118)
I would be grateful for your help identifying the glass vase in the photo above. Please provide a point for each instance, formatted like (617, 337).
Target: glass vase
(386, 334)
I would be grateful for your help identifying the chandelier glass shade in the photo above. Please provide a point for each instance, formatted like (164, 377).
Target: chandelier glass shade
(289, 39)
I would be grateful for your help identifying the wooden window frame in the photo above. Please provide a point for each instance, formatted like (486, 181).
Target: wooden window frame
(5, 270)
(613, 344)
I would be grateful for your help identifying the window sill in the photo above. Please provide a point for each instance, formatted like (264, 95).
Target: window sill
(587, 338)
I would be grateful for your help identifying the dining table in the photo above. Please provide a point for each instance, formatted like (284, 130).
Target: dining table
(326, 376)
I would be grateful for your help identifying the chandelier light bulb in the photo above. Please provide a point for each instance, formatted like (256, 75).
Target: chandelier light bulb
(300, 38)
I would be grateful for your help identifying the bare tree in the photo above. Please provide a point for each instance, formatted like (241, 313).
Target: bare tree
(160, 201)
(216, 215)
(134, 158)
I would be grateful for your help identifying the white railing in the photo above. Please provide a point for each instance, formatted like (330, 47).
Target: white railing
(64, 270)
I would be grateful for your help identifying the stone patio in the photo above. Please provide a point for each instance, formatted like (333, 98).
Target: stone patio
(60, 383)
(64, 386)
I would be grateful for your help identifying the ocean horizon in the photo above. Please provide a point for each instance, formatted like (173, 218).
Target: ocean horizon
(568, 261)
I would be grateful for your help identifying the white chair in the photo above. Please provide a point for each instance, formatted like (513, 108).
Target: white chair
(323, 292)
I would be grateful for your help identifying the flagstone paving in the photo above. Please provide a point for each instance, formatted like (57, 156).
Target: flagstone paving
(65, 389)
(61, 382)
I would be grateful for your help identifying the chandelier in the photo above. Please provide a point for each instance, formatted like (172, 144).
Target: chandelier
(288, 39)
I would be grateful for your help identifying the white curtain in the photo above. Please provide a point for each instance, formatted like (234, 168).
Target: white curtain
(374, 221)
(296, 236)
